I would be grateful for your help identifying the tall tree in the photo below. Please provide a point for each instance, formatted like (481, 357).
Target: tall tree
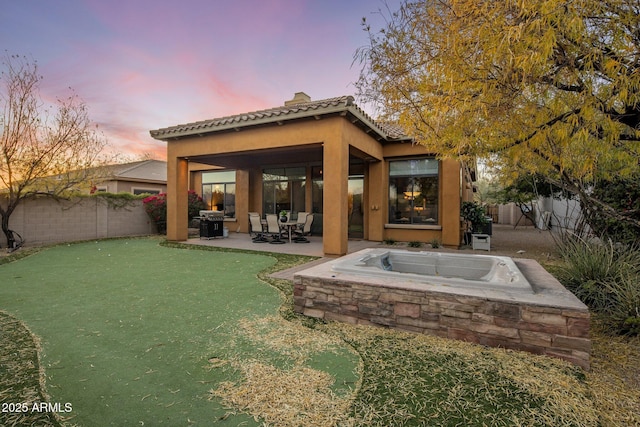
(549, 86)
(44, 151)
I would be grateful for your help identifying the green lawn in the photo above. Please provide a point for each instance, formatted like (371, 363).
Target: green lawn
(133, 333)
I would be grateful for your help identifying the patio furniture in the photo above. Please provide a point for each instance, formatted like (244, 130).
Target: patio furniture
(304, 231)
(273, 229)
(288, 228)
(302, 217)
(256, 232)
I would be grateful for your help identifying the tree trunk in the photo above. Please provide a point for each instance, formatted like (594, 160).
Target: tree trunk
(6, 214)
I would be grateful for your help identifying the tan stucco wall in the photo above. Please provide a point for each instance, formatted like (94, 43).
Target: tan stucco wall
(289, 135)
(447, 232)
(338, 137)
(334, 133)
(121, 186)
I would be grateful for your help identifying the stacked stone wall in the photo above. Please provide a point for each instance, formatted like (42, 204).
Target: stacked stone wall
(551, 331)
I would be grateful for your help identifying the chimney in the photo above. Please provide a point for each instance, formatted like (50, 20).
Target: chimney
(298, 98)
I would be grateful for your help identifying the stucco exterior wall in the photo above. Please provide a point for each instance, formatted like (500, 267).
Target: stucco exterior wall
(121, 186)
(333, 140)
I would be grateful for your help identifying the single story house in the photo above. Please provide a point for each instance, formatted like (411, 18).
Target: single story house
(360, 178)
(144, 176)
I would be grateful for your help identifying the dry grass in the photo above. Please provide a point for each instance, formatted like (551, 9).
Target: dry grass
(414, 379)
(297, 395)
(614, 379)
(21, 380)
(288, 338)
(407, 379)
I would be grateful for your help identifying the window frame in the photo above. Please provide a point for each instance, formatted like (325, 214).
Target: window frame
(209, 180)
(416, 184)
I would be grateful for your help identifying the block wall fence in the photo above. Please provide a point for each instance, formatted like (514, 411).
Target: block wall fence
(45, 221)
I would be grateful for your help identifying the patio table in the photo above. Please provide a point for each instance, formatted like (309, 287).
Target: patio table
(289, 226)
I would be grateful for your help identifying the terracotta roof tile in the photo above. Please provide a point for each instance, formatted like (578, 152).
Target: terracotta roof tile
(271, 115)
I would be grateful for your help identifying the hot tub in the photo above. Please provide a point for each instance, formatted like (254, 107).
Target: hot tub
(490, 300)
(439, 269)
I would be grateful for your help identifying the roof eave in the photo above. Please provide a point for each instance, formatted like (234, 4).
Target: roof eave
(200, 130)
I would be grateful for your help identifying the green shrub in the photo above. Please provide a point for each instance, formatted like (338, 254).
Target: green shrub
(474, 215)
(414, 244)
(624, 316)
(606, 277)
(390, 242)
(435, 243)
(623, 195)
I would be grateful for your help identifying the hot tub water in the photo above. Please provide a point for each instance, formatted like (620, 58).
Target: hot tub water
(436, 268)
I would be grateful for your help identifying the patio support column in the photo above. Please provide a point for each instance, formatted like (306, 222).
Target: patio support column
(177, 198)
(377, 189)
(450, 210)
(242, 201)
(335, 196)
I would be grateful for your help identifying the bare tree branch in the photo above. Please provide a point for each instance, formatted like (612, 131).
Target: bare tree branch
(43, 152)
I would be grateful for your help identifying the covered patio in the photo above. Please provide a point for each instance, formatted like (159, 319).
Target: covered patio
(309, 156)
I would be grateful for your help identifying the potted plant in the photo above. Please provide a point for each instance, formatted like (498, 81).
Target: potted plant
(283, 216)
(475, 218)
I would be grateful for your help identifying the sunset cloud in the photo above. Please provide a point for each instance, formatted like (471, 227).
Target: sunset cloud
(145, 64)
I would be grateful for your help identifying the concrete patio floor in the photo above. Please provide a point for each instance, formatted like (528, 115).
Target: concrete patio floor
(243, 241)
(520, 242)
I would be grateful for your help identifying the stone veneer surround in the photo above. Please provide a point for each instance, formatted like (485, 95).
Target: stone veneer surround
(551, 322)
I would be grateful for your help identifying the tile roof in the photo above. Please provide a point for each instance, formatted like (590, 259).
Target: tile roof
(148, 170)
(280, 114)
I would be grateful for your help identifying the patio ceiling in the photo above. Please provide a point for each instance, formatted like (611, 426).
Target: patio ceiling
(275, 156)
(304, 154)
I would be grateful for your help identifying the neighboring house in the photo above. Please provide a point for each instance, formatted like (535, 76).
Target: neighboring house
(360, 178)
(145, 176)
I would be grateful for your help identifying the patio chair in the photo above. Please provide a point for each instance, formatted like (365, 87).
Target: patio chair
(273, 229)
(256, 231)
(304, 231)
(302, 218)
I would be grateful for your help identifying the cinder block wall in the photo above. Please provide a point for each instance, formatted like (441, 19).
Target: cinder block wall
(46, 221)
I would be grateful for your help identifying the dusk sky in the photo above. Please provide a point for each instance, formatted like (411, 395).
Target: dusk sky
(147, 64)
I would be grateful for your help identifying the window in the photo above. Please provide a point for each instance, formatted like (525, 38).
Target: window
(284, 189)
(316, 189)
(143, 191)
(413, 191)
(219, 192)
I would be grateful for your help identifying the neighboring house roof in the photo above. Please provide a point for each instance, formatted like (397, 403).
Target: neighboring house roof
(300, 107)
(143, 171)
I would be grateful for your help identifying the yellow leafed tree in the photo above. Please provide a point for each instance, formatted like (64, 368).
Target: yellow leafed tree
(548, 86)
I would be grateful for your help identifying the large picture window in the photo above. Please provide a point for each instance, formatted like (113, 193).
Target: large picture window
(219, 192)
(284, 189)
(413, 191)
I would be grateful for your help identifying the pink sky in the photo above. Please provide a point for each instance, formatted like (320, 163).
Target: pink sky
(147, 64)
